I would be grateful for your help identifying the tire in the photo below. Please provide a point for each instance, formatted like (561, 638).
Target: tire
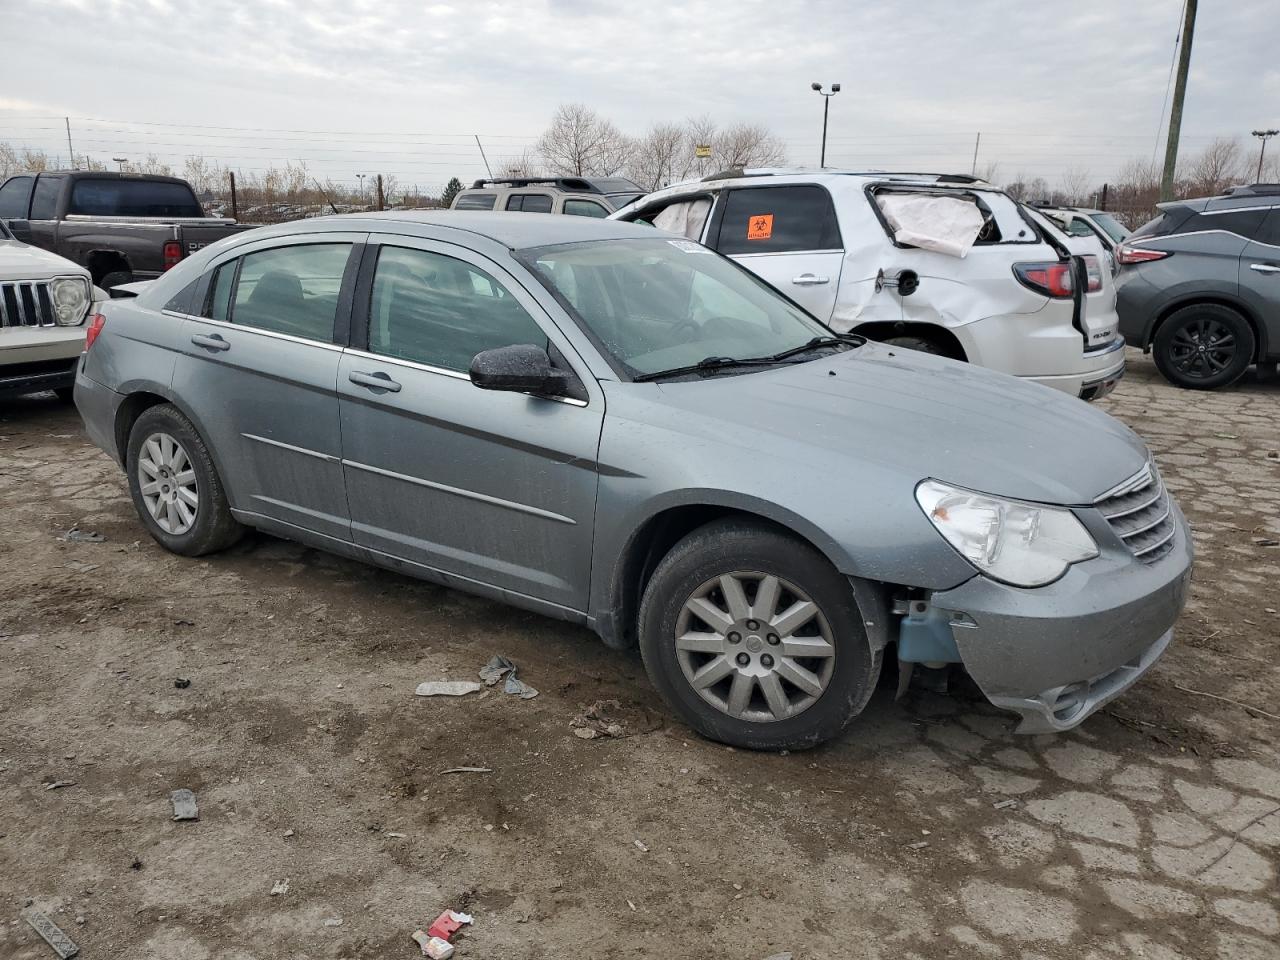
(189, 525)
(1203, 347)
(786, 717)
(922, 344)
(115, 278)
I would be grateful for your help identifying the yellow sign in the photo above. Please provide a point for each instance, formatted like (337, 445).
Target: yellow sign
(702, 150)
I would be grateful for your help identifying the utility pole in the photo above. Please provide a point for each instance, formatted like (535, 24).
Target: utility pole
(1264, 136)
(483, 157)
(1179, 94)
(70, 151)
(360, 177)
(1102, 204)
(380, 197)
(235, 206)
(976, 140)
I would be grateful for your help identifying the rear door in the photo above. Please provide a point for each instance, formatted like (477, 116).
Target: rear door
(788, 235)
(492, 487)
(1260, 278)
(261, 366)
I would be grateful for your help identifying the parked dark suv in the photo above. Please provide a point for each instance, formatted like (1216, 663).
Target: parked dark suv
(1200, 286)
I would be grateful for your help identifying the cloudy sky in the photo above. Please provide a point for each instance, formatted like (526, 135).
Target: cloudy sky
(401, 86)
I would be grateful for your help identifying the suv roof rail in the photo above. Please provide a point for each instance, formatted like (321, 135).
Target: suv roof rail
(734, 173)
(1253, 190)
(569, 184)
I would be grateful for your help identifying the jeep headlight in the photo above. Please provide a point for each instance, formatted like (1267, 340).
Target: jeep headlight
(1024, 544)
(70, 300)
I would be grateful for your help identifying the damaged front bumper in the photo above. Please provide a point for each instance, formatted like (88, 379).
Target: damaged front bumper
(1056, 654)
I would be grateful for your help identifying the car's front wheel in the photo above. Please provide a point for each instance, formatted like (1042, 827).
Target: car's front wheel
(175, 486)
(754, 639)
(1203, 346)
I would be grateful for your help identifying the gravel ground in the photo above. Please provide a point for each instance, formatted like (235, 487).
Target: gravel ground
(928, 830)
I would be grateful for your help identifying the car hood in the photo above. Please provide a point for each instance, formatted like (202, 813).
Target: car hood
(920, 415)
(21, 261)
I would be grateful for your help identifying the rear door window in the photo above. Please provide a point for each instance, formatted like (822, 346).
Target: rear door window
(785, 219)
(687, 217)
(584, 208)
(1270, 231)
(529, 202)
(1243, 223)
(292, 290)
(133, 198)
(15, 196)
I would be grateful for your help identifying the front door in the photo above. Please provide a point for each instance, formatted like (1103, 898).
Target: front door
(788, 236)
(491, 487)
(260, 365)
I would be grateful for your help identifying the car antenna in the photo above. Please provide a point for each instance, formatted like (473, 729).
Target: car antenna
(325, 195)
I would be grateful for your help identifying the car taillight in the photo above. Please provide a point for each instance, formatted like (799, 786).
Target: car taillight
(1093, 270)
(1052, 278)
(1129, 255)
(172, 253)
(95, 328)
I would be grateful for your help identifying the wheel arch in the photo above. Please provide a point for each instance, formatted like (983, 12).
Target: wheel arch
(1261, 347)
(883, 329)
(652, 539)
(102, 262)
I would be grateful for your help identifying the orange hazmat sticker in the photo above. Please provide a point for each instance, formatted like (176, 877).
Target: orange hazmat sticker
(760, 226)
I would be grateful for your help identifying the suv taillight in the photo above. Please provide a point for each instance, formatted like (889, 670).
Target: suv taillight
(1092, 270)
(1052, 278)
(1129, 255)
(172, 253)
(95, 328)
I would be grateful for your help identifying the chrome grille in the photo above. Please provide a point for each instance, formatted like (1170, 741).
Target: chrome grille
(26, 303)
(1141, 513)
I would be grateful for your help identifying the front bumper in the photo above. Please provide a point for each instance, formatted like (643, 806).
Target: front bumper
(1055, 654)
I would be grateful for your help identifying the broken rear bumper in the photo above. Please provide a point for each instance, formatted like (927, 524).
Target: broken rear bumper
(1055, 654)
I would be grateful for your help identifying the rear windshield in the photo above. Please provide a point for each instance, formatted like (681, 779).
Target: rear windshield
(133, 198)
(1112, 227)
(475, 201)
(1167, 222)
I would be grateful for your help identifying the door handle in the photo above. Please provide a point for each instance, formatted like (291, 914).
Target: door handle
(809, 280)
(378, 381)
(1264, 267)
(211, 341)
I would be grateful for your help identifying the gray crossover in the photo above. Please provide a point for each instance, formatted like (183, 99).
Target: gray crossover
(626, 430)
(1199, 286)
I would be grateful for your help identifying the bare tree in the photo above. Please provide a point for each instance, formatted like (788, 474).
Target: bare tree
(1219, 165)
(581, 143)
(748, 145)
(1075, 186)
(524, 164)
(661, 156)
(989, 171)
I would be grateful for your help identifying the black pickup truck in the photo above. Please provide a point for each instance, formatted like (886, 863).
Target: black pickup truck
(120, 226)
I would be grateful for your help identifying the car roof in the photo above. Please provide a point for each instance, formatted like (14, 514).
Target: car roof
(515, 231)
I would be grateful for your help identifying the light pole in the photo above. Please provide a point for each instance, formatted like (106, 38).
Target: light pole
(1264, 136)
(826, 104)
(120, 160)
(360, 177)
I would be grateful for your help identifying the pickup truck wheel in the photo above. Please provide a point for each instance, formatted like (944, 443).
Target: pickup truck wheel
(175, 486)
(1203, 347)
(115, 278)
(754, 639)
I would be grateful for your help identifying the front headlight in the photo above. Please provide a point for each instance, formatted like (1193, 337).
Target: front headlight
(1023, 544)
(70, 300)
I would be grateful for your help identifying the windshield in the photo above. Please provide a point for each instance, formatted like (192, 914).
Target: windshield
(663, 304)
(1110, 226)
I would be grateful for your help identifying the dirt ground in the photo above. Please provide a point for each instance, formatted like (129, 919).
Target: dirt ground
(1153, 831)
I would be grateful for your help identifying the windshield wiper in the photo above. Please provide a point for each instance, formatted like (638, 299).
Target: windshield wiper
(711, 363)
(815, 343)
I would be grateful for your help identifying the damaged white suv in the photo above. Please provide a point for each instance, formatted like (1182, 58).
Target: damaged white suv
(941, 263)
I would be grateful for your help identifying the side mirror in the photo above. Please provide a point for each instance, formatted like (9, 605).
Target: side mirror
(21, 229)
(523, 368)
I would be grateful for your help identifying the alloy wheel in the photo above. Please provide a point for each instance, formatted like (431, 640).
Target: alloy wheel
(754, 646)
(1202, 348)
(168, 484)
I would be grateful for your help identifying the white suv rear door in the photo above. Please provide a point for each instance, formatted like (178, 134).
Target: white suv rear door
(787, 235)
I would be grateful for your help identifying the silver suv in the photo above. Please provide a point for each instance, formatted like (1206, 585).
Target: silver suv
(625, 430)
(573, 196)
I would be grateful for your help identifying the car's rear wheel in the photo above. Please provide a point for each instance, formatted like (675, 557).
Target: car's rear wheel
(175, 486)
(1203, 346)
(754, 639)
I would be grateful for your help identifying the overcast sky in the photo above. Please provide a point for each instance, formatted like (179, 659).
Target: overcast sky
(400, 86)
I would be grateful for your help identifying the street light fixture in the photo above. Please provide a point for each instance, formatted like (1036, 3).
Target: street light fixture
(826, 103)
(120, 160)
(1264, 136)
